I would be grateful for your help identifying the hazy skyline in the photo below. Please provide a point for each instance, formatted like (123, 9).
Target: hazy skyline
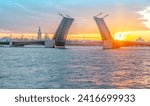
(25, 16)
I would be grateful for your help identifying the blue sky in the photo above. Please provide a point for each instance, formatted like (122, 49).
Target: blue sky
(24, 16)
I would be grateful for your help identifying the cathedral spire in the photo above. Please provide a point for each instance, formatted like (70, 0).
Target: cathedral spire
(39, 37)
(39, 29)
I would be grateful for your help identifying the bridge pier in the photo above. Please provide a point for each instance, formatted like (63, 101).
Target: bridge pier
(60, 47)
(49, 44)
(10, 43)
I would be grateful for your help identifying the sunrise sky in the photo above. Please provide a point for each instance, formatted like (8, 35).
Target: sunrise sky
(128, 18)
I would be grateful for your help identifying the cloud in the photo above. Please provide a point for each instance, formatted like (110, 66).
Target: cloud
(34, 13)
(25, 15)
(25, 9)
(146, 16)
(5, 31)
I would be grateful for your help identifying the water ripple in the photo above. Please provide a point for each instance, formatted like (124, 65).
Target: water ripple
(75, 67)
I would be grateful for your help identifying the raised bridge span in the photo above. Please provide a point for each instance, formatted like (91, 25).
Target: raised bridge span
(59, 39)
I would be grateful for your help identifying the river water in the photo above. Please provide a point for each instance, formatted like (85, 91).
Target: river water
(74, 68)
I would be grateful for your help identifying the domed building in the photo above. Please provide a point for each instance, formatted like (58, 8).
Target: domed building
(140, 40)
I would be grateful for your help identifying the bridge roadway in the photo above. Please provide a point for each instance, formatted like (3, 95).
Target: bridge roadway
(43, 42)
(134, 43)
(23, 43)
(4, 43)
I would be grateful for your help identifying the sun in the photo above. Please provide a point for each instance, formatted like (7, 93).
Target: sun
(119, 37)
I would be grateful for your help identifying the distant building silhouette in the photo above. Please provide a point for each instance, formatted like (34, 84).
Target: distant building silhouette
(39, 37)
(140, 40)
(22, 37)
(46, 36)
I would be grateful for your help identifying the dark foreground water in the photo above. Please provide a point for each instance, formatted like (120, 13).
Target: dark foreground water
(74, 67)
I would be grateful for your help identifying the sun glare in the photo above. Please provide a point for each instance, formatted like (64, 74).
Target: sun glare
(119, 37)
